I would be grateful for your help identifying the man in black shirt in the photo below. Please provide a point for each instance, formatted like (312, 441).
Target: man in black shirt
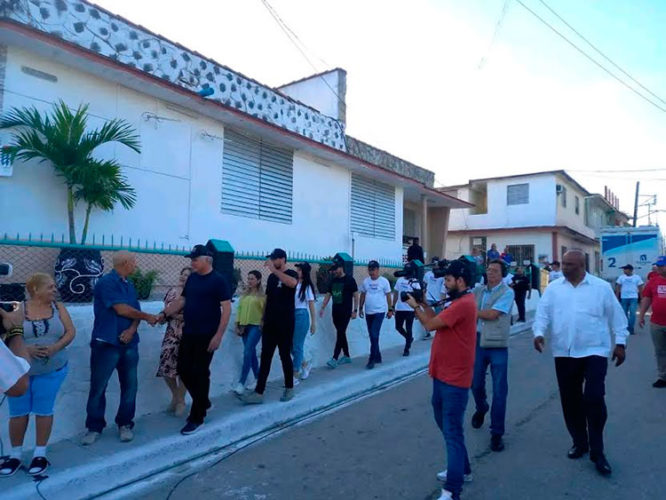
(278, 330)
(521, 288)
(415, 251)
(206, 305)
(342, 288)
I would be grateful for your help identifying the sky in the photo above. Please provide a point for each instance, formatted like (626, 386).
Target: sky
(455, 86)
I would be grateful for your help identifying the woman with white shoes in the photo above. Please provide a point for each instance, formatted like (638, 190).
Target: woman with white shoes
(304, 317)
(249, 317)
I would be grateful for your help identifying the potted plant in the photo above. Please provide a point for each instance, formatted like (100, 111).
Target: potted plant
(61, 138)
(143, 282)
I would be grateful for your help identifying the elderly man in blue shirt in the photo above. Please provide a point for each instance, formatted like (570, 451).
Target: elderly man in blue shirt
(114, 346)
(494, 303)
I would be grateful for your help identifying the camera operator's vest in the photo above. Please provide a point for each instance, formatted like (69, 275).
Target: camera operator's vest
(494, 333)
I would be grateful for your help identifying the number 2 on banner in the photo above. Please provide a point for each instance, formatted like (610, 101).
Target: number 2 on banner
(611, 261)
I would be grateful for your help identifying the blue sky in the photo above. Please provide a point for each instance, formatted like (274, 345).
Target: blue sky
(415, 87)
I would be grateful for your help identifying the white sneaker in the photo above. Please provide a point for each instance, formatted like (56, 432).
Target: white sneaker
(125, 433)
(238, 388)
(446, 495)
(296, 381)
(305, 371)
(89, 438)
(441, 476)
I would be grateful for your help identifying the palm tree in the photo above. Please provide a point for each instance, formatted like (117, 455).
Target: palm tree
(61, 138)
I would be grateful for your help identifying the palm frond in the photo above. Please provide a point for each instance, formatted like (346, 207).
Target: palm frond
(112, 131)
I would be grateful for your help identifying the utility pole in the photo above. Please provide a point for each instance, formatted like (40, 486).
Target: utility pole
(636, 203)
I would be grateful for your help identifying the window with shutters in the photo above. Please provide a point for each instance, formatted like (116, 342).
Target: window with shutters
(257, 179)
(372, 208)
(518, 194)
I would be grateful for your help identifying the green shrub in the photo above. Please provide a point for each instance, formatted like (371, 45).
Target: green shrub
(391, 279)
(143, 282)
(322, 277)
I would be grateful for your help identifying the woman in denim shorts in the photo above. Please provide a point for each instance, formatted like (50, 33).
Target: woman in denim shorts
(47, 330)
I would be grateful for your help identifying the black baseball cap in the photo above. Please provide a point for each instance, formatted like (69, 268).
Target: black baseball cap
(278, 253)
(199, 251)
(337, 262)
(628, 266)
(373, 264)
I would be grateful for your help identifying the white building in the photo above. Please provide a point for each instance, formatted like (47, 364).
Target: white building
(257, 166)
(538, 216)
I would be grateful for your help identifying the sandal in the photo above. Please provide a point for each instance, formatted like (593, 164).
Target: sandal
(9, 467)
(38, 466)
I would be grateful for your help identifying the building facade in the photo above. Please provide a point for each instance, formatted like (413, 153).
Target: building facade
(222, 155)
(537, 216)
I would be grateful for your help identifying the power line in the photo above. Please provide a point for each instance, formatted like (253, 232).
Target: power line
(600, 52)
(498, 26)
(294, 40)
(597, 63)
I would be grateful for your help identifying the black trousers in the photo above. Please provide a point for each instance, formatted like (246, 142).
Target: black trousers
(520, 304)
(404, 321)
(194, 370)
(282, 337)
(582, 390)
(341, 321)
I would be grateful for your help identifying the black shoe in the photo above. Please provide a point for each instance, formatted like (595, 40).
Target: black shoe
(38, 466)
(9, 467)
(405, 352)
(477, 419)
(190, 428)
(496, 443)
(602, 465)
(370, 365)
(576, 452)
(660, 383)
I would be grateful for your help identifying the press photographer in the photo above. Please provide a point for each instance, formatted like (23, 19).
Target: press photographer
(14, 366)
(410, 282)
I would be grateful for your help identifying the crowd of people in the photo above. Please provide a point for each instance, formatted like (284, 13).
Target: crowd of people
(471, 321)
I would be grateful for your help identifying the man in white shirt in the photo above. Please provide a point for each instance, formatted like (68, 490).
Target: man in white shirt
(375, 304)
(581, 312)
(433, 290)
(628, 288)
(404, 313)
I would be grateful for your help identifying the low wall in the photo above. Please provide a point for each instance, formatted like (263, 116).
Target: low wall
(153, 396)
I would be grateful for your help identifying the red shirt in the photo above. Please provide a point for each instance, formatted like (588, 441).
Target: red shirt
(656, 290)
(651, 275)
(452, 353)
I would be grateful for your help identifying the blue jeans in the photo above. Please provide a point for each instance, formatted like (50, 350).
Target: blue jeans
(374, 322)
(251, 337)
(449, 403)
(629, 307)
(301, 325)
(498, 359)
(104, 359)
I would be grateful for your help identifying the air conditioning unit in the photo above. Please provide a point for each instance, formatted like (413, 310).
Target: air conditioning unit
(559, 188)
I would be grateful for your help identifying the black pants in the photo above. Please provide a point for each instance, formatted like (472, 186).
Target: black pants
(520, 304)
(582, 390)
(341, 321)
(282, 337)
(404, 320)
(194, 370)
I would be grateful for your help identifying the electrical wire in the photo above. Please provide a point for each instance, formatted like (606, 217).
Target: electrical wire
(600, 52)
(498, 27)
(597, 63)
(288, 31)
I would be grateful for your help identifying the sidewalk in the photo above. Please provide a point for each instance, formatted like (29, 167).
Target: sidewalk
(158, 445)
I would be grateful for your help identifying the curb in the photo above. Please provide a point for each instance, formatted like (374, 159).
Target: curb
(125, 468)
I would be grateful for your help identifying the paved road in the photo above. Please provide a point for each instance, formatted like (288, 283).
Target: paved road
(388, 447)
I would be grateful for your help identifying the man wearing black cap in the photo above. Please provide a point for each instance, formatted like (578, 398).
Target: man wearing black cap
(628, 288)
(278, 330)
(344, 291)
(376, 297)
(206, 305)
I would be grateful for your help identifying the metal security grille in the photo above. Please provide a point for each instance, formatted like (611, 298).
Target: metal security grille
(522, 253)
(257, 179)
(372, 208)
(518, 194)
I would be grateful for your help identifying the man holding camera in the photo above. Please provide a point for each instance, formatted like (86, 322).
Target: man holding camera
(494, 302)
(434, 286)
(451, 368)
(404, 313)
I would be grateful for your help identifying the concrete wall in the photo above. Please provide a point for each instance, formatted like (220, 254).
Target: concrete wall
(178, 177)
(567, 216)
(153, 395)
(458, 244)
(540, 211)
(324, 92)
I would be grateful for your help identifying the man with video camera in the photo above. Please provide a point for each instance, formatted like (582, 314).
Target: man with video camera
(451, 368)
(14, 356)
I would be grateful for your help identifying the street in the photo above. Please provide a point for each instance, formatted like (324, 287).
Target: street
(388, 447)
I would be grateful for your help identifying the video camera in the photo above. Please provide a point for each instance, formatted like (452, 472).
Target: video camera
(413, 273)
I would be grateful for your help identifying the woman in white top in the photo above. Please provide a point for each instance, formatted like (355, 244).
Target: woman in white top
(404, 313)
(304, 316)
